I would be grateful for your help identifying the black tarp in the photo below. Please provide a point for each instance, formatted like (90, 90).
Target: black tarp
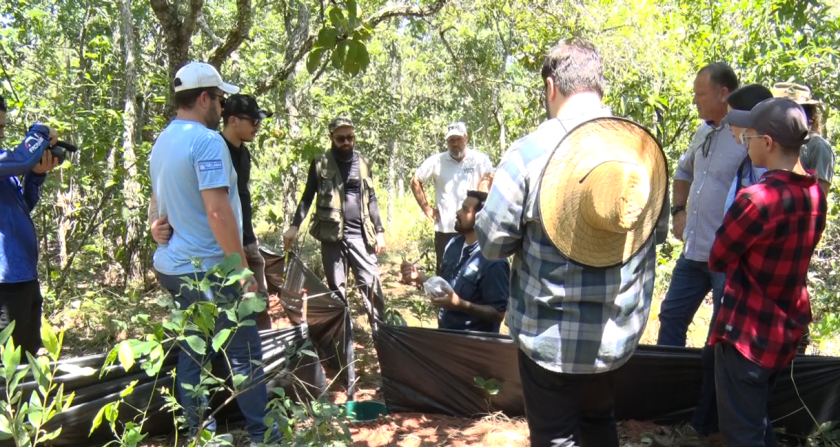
(92, 393)
(433, 371)
(327, 314)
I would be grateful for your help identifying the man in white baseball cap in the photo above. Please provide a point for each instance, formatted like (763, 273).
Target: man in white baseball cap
(194, 184)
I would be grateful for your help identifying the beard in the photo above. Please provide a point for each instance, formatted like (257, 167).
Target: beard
(463, 229)
(344, 152)
(212, 118)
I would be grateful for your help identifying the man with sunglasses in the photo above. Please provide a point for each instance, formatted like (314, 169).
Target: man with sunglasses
(346, 219)
(194, 184)
(242, 117)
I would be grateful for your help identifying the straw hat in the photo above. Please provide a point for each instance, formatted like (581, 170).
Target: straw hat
(797, 92)
(602, 191)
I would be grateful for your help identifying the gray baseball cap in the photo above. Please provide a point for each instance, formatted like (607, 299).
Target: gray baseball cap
(782, 119)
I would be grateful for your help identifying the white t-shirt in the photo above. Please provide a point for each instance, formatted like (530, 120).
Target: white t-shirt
(452, 180)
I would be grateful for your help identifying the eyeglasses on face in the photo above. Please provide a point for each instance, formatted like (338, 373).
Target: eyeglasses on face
(345, 138)
(220, 95)
(745, 139)
(255, 122)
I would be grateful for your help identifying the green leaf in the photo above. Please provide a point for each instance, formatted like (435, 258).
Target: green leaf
(7, 332)
(220, 338)
(125, 355)
(339, 55)
(326, 38)
(238, 379)
(5, 428)
(352, 13)
(128, 389)
(479, 381)
(337, 17)
(197, 344)
(250, 305)
(230, 263)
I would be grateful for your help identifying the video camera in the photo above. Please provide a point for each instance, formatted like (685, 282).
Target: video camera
(61, 149)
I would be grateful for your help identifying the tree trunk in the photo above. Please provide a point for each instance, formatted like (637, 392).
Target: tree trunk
(396, 83)
(131, 187)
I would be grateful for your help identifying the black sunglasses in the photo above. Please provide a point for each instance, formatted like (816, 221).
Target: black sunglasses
(254, 121)
(221, 96)
(347, 138)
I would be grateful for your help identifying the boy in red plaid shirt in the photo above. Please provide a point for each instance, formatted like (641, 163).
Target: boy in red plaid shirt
(765, 247)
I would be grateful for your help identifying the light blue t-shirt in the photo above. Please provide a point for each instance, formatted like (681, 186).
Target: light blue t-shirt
(186, 159)
(749, 176)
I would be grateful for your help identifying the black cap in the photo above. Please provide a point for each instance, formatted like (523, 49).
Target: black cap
(746, 97)
(244, 105)
(780, 118)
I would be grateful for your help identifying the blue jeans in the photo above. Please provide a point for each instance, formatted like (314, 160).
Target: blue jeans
(242, 346)
(743, 391)
(690, 283)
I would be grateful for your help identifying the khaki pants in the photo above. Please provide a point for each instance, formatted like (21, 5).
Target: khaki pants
(256, 264)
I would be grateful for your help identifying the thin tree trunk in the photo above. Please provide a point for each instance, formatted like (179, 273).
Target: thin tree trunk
(396, 83)
(131, 187)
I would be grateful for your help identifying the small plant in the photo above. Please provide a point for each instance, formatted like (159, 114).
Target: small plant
(422, 310)
(828, 435)
(491, 388)
(24, 421)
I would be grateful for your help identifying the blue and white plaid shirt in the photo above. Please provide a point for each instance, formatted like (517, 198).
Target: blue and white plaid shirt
(566, 317)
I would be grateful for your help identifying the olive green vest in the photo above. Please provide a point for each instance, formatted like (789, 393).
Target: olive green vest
(328, 220)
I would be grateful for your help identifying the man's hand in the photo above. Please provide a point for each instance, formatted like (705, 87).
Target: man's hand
(679, 225)
(48, 162)
(450, 301)
(53, 137)
(249, 284)
(161, 230)
(380, 243)
(432, 214)
(289, 238)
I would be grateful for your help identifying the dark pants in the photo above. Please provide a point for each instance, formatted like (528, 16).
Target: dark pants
(691, 282)
(566, 410)
(441, 239)
(743, 392)
(242, 346)
(337, 256)
(21, 303)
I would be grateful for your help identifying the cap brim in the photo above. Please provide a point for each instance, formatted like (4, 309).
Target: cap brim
(454, 133)
(739, 118)
(230, 89)
(263, 114)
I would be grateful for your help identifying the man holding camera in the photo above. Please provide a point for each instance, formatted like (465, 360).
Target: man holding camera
(20, 292)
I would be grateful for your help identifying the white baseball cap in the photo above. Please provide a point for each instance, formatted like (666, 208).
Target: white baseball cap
(456, 129)
(201, 75)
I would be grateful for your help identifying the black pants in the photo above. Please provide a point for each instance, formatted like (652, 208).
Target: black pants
(21, 303)
(362, 262)
(743, 390)
(441, 239)
(568, 410)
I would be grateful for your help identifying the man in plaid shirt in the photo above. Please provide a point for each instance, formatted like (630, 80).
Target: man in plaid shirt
(765, 247)
(574, 325)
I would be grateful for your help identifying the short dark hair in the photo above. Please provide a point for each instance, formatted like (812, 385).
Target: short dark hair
(721, 75)
(3, 107)
(185, 99)
(481, 196)
(575, 66)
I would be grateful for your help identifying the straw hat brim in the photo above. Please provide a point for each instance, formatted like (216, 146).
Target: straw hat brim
(559, 193)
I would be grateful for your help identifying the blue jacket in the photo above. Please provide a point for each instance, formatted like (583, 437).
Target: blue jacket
(18, 242)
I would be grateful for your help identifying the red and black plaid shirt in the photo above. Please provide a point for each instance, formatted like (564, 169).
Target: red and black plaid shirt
(765, 246)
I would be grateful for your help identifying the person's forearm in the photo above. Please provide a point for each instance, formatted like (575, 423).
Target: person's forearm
(482, 311)
(681, 188)
(226, 231)
(32, 184)
(306, 198)
(419, 194)
(152, 213)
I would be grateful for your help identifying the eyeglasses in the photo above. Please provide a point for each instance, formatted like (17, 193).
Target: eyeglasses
(345, 138)
(745, 139)
(255, 122)
(221, 96)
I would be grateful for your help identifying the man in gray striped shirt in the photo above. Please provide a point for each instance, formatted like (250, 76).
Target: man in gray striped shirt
(701, 183)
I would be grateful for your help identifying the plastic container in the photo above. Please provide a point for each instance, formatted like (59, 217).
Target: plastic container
(437, 287)
(365, 411)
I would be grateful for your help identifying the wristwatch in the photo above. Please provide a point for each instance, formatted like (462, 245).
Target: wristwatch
(676, 209)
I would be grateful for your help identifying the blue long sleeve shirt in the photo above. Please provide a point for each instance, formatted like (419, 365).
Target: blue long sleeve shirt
(18, 241)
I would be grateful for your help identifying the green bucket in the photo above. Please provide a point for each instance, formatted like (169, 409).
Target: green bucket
(365, 411)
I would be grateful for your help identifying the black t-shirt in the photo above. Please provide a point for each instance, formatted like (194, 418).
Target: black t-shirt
(241, 158)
